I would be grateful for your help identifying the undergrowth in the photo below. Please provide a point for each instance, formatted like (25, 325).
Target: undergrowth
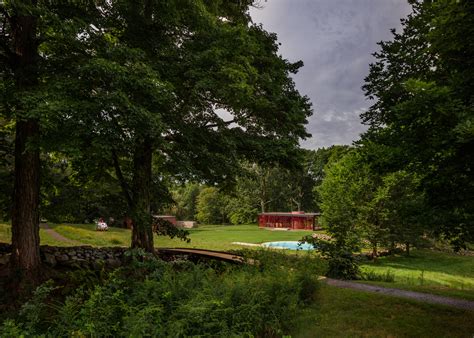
(150, 297)
(371, 275)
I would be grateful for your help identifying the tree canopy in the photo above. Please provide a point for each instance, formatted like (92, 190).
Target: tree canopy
(422, 118)
(133, 91)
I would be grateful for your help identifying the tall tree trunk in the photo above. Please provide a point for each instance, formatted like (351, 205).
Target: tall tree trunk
(142, 233)
(25, 260)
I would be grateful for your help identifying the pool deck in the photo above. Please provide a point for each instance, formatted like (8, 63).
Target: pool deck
(247, 244)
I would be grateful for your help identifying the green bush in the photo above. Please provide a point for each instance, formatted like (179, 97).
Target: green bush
(155, 298)
(341, 263)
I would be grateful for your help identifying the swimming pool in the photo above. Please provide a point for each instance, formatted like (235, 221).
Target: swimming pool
(288, 245)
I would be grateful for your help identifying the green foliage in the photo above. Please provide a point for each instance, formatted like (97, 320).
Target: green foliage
(155, 298)
(31, 315)
(163, 227)
(371, 275)
(210, 206)
(422, 118)
(403, 208)
(342, 263)
(361, 204)
(319, 160)
(342, 193)
(185, 200)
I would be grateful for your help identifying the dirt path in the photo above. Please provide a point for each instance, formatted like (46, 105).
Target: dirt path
(57, 236)
(423, 297)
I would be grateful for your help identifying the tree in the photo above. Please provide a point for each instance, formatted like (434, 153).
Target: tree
(423, 85)
(243, 199)
(76, 196)
(359, 203)
(403, 209)
(319, 160)
(152, 88)
(211, 206)
(185, 199)
(341, 193)
(29, 70)
(20, 74)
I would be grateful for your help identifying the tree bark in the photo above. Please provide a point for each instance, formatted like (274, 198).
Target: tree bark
(142, 233)
(25, 258)
(25, 262)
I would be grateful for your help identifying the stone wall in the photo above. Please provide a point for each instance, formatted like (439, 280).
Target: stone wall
(81, 256)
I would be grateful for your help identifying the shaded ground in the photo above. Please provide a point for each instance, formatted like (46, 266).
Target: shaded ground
(424, 297)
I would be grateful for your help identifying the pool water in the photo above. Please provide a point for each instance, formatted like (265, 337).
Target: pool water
(289, 245)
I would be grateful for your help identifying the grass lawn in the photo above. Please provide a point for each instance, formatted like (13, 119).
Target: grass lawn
(428, 271)
(351, 313)
(6, 236)
(213, 237)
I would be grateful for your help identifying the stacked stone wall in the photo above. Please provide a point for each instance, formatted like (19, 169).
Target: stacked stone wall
(81, 256)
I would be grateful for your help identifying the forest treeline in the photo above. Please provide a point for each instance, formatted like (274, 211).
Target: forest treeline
(69, 196)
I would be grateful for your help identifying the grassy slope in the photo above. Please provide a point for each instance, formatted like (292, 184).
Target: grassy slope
(443, 273)
(209, 237)
(428, 271)
(350, 313)
(6, 234)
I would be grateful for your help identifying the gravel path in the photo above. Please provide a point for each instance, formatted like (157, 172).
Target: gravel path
(57, 236)
(424, 297)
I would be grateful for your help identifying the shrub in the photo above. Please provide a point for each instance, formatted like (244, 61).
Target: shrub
(155, 298)
(342, 264)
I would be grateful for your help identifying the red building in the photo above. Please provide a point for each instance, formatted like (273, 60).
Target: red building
(169, 218)
(296, 220)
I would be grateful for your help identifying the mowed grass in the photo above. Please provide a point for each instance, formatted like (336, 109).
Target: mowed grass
(87, 235)
(212, 237)
(45, 238)
(350, 313)
(430, 271)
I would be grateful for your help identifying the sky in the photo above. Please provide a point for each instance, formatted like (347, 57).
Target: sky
(335, 39)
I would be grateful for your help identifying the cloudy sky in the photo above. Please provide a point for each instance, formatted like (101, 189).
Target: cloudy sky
(335, 40)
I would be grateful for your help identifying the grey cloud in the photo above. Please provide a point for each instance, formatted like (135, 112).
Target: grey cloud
(335, 40)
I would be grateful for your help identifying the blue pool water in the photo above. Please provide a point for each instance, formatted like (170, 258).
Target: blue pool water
(289, 245)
